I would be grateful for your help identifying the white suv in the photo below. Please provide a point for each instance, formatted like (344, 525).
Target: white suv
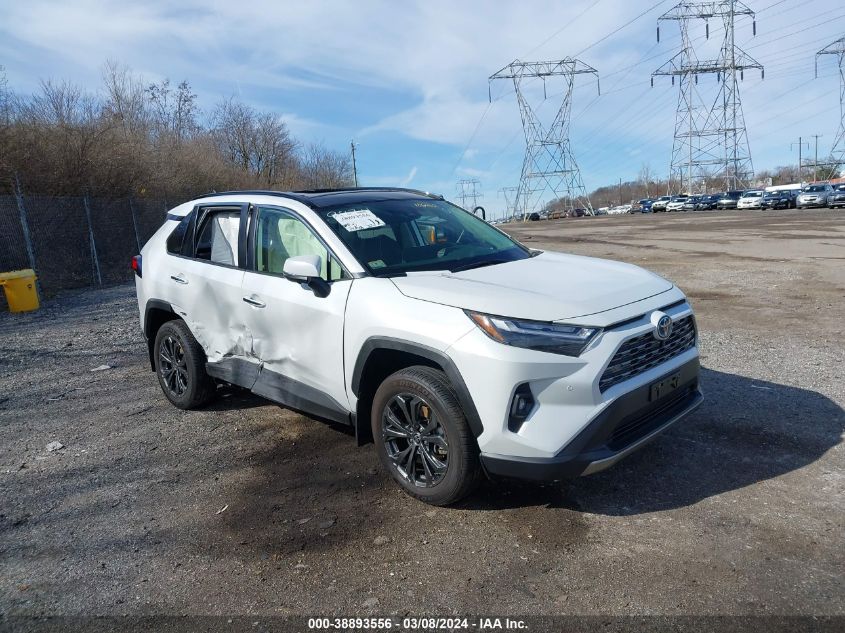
(457, 349)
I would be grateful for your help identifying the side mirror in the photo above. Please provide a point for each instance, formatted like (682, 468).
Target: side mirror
(302, 268)
(305, 270)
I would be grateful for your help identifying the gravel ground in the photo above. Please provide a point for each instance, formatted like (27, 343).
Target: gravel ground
(246, 508)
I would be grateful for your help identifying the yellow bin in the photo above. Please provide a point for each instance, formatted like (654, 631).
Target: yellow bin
(19, 286)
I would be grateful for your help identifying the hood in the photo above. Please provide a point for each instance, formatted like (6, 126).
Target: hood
(548, 287)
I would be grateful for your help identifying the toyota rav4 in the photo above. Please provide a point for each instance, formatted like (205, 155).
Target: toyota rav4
(456, 349)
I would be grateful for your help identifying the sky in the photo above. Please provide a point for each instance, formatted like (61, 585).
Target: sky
(408, 81)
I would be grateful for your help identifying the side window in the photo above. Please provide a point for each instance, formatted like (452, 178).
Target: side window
(217, 239)
(177, 237)
(279, 235)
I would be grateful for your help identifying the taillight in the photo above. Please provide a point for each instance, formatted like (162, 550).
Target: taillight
(136, 265)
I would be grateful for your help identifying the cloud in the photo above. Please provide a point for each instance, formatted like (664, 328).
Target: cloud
(407, 180)
(415, 73)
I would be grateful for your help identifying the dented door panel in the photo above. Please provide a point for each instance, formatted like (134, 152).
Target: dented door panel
(207, 298)
(296, 336)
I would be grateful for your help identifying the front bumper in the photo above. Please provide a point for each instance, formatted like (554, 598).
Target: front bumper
(813, 202)
(626, 425)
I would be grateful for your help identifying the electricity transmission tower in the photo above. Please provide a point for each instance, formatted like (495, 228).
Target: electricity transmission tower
(549, 165)
(467, 193)
(836, 158)
(710, 136)
(510, 195)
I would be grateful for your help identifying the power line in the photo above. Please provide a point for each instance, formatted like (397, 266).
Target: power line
(560, 30)
(615, 31)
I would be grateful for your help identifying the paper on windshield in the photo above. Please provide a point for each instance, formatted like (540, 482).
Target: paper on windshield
(358, 220)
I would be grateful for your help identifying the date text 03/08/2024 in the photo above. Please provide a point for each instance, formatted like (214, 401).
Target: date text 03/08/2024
(420, 623)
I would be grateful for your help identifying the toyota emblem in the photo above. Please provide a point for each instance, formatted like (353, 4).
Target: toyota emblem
(662, 325)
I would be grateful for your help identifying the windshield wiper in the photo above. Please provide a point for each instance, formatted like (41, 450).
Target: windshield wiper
(480, 264)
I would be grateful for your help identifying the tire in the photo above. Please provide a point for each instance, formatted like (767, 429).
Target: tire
(180, 367)
(440, 472)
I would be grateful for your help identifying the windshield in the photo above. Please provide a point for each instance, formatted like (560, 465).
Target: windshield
(392, 237)
(752, 194)
(815, 188)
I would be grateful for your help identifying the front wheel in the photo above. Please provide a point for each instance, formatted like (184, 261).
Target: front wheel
(422, 436)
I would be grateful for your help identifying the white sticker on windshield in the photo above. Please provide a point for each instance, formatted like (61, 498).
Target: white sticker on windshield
(358, 220)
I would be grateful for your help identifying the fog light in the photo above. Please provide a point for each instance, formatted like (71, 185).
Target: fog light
(522, 405)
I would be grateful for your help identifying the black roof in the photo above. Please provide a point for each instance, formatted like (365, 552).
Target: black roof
(318, 198)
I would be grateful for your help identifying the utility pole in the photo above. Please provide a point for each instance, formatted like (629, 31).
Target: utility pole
(620, 191)
(468, 193)
(816, 161)
(354, 166)
(549, 166)
(710, 133)
(836, 158)
(800, 145)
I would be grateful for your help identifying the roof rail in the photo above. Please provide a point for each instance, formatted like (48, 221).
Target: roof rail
(299, 194)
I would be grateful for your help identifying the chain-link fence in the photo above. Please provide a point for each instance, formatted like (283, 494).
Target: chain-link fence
(74, 242)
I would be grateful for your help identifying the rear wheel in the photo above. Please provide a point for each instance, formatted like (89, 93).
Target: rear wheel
(422, 436)
(180, 366)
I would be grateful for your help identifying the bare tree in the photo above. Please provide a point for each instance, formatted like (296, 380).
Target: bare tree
(646, 178)
(174, 111)
(323, 168)
(126, 98)
(5, 99)
(139, 138)
(259, 143)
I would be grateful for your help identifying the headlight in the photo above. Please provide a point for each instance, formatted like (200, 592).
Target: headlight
(555, 338)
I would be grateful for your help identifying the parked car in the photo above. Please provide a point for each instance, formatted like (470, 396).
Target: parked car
(691, 203)
(729, 200)
(815, 195)
(534, 217)
(709, 202)
(837, 196)
(783, 199)
(576, 213)
(645, 205)
(457, 350)
(660, 203)
(677, 203)
(752, 199)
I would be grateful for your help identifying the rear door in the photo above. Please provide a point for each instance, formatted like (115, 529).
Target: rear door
(297, 333)
(205, 288)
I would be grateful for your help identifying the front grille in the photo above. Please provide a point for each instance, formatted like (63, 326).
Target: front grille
(643, 352)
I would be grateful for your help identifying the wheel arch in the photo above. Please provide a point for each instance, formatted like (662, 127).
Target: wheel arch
(156, 314)
(381, 356)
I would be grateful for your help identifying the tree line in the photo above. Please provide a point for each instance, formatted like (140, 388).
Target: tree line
(132, 137)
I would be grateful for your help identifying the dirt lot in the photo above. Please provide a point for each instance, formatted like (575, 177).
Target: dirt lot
(246, 508)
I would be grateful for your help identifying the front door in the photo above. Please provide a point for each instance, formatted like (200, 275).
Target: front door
(296, 334)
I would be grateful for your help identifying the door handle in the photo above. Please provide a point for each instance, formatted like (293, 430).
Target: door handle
(254, 302)
(179, 279)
